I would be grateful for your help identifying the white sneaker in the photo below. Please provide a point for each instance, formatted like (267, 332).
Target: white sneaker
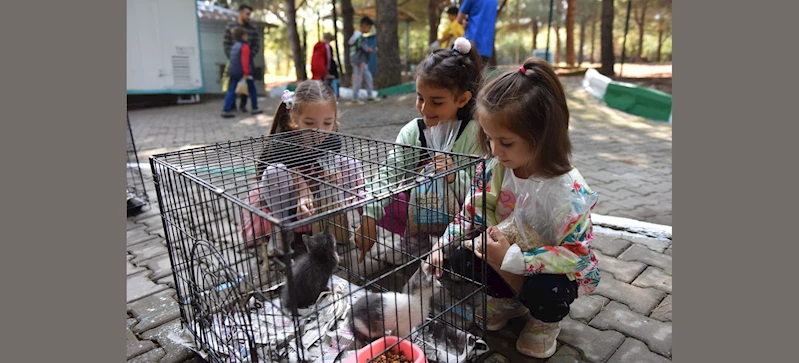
(356, 102)
(538, 339)
(500, 310)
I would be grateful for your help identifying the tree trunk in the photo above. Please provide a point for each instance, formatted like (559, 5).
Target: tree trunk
(660, 37)
(433, 20)
(593, 40)
(606, 48)
(580, 53)
(389, 66)
(570, 14)
(347, 13)
(294, 41)
(556, 28)
(516, 20)
(640, 42)
(535, 33)
(304, 43)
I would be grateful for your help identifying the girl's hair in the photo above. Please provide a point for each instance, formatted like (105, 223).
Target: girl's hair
(239, 33)
(530, 102)
(449, 69)
(310, 91)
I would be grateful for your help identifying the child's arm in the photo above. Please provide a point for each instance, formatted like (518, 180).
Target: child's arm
(472, 214)
(572, 256)
(389, 173)
(464, 178)
(305, 198)
(245, 59)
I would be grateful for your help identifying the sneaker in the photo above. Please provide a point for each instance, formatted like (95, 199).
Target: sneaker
(500, 310)
(243, 109)
(356, 102)
(257, 111)
(538, 339)
(373, 100)
(228, 115)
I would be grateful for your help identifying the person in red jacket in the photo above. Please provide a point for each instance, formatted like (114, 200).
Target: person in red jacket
(320, 60)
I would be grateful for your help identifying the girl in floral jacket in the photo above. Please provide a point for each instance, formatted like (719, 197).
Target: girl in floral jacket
(524, 121)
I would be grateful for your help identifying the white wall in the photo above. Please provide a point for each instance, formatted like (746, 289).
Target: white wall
(163, 47)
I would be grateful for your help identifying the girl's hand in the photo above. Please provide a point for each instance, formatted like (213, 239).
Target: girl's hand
(365, 236)
(442, 163)
(496, 247)
(434, 260)
(304, 207)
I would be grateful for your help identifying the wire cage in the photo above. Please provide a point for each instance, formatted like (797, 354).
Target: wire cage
(261, 236)
(136, 192)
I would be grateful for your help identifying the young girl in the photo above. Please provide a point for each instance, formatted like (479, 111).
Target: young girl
(525, 122)
(446, 82)
(282, 192)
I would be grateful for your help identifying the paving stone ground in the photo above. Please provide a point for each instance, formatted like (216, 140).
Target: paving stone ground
(626, 159)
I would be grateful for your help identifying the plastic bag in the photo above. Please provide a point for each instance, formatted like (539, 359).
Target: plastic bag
(241, 87)
(433, 204)
(543, 211)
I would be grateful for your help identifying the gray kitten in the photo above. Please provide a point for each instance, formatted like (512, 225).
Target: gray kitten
(311, 271)
(376, 314)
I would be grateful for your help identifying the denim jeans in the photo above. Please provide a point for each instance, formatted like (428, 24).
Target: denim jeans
(361, 73)
(230, 97)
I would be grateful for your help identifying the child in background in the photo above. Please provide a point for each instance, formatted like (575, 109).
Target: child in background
(453, 31)
(240, 67)
(282, 193)
(359, 58)
(446, 83)
(525, 126)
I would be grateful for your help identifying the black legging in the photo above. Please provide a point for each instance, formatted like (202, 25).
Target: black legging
(548, 296)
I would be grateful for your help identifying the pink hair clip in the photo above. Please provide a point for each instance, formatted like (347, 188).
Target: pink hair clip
(521, 69)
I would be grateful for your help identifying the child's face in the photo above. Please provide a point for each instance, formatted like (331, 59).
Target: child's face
(317, 115)
(511, 150)
(438, 104)
(365, 28)
(452, 17)
(244, 38)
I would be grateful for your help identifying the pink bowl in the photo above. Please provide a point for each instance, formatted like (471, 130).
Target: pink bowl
(374, 349)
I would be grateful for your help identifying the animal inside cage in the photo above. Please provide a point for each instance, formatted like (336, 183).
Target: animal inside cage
(136, 193)
(261, 235)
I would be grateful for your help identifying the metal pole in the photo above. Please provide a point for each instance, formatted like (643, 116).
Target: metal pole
(624, 42)
(318, 25)
(549, 27)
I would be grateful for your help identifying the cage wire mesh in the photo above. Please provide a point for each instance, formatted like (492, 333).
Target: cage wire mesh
(252, 270)
(136, 193)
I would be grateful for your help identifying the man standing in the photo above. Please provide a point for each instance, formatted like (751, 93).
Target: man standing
(255, 41)
(482, 25)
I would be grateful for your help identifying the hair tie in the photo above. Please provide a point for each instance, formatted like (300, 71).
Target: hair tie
(288, 99)
(522, 69)
(462, 46)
